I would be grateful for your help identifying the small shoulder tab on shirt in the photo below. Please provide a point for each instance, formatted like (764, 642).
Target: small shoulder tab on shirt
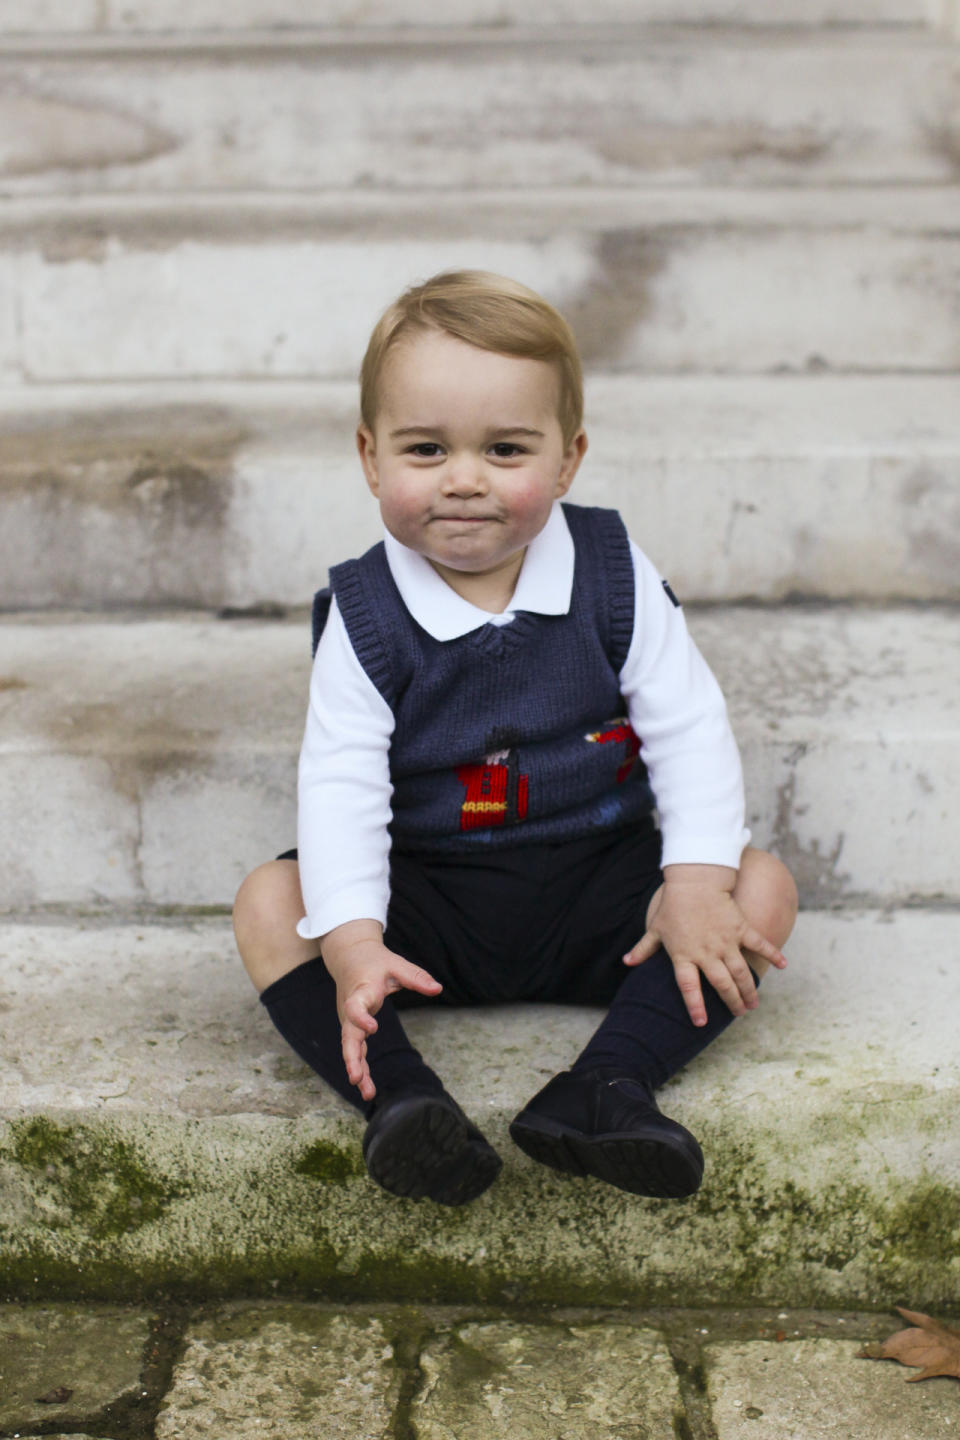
(666, 586)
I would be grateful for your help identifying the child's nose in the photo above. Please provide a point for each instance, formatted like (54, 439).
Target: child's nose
(464, 475)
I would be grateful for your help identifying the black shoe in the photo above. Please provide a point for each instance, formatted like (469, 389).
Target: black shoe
(423, 1146)
(604, 1123)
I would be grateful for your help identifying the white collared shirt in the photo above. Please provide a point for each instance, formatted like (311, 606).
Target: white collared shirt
(673, 701)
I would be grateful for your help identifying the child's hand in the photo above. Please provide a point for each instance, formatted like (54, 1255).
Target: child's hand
(366, 972)
(702, 928)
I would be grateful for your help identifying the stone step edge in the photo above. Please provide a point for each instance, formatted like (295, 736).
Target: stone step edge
(124, 414)
(122, 44)
(847, 1195)
(240, 216)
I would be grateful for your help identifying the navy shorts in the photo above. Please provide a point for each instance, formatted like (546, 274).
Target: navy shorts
(535, 922)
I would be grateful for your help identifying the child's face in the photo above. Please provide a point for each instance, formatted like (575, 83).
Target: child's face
(467, 455)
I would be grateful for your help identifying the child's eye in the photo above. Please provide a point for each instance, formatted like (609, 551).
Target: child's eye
(426, 449)
(506, 450)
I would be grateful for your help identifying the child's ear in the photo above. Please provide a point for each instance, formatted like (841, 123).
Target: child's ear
(367, 450)
(570, 463)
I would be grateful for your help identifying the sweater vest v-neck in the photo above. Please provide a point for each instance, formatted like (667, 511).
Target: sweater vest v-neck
(509, 735)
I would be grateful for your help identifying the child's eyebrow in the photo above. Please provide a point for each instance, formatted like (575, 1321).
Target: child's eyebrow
(432, 430)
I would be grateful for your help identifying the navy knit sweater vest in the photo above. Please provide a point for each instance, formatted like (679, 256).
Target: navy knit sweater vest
(511, 734)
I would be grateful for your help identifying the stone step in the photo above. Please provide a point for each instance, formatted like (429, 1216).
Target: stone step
(211, 495)
(99, 17)
(170, 746)
(653, 282)
(581, 107)
(157, 1135)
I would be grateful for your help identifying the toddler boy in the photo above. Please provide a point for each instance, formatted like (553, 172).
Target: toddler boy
(517, 776)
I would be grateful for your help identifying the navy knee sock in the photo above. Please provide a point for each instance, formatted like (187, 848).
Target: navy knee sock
(647, 1032)
(303, 1006)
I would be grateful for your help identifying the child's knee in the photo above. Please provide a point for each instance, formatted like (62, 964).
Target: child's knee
(265, 915)
(767, 894)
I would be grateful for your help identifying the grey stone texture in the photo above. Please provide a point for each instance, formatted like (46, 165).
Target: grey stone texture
(157, 733)
(95, 1354)
(235, 495)
(600, 1382)
(99, 17)
(612, 108)
(157, 1133)
(820, 1390)
(290, 1371)
(656, 280)
(374, 1372)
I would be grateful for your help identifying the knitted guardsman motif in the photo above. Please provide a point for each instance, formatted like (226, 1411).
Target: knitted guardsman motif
(502, 736)
(496, 793)
(619, 732)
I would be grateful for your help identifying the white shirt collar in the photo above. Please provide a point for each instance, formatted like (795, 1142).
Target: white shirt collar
(545, 583)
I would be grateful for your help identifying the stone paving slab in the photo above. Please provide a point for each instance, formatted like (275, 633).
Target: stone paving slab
(208, 495)
(289, 1371)
(820, 1390)
(368, 1372)
(95, 1354)
(156, 732)
(156, 1133)
(605, 1382)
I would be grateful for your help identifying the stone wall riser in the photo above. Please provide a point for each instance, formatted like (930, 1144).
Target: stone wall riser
(245, 495)
(602, 109)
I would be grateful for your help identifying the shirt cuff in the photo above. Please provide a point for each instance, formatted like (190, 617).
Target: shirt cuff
(361, 902)
(704, 850)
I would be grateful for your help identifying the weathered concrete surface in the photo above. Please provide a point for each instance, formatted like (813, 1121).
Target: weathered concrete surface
(819, 1390)
(586, 1382)
(210, 496)
(158, 1134)
(95, 1357)
(744, 281)
(591, 107)
(186, 16)
(293, 1371)
(153, 761)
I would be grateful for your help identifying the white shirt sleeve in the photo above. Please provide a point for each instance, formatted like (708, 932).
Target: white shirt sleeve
(676, 707)
(344, 790)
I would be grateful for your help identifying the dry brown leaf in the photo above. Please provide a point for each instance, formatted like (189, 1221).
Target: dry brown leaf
(928, 1343)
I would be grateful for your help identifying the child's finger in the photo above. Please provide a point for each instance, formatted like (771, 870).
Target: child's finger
(753, 940)
(688, 979)
(644, 948)
(357, 1009)
(412, 977)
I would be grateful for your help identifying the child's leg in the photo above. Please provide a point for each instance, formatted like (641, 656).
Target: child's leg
(647, 1031)
(418, 1142)
(600, 1118)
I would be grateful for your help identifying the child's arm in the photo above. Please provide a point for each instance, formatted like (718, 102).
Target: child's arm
(366, 972)
(344, 812)
(703, 929)
(677, 708)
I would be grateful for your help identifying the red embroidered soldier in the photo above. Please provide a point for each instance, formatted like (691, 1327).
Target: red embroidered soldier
(617, 732)
(496, 794)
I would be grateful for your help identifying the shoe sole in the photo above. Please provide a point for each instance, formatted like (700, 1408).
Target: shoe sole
(641, 1161)
(425, 1151)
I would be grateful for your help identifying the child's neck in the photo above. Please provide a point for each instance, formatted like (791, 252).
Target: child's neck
(491, 590)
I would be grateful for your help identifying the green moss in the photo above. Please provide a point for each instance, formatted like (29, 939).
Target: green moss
(331, 1163)
(103, 1182)
(925, 1222)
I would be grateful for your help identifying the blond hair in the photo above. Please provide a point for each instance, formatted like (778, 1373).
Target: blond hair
(490, 312)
